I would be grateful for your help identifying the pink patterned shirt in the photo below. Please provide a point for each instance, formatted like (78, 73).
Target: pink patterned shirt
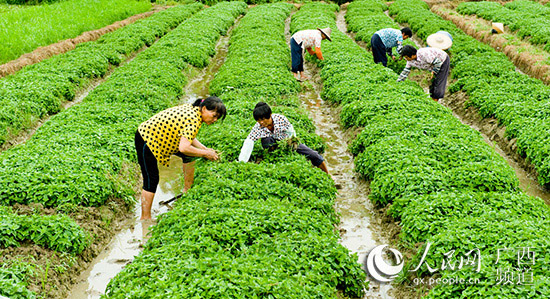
(310, 38)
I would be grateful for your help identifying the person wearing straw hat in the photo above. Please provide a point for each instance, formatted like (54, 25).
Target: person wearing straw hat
(309, 40)
(441, 40)
(497, 28)
(433, 59)
(384, 40)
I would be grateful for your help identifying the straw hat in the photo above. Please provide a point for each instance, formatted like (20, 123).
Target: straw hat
(326, 31)
(441, 40)
(498, 27)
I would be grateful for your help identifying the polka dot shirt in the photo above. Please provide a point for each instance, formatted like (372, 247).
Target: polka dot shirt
(163, 131)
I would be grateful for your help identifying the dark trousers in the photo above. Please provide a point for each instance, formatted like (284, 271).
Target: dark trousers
(378, 50)
(297, 57)
(437, 89)
(313, 156)
(147, 163)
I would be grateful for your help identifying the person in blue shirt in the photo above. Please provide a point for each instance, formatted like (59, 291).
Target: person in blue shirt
(383, 40)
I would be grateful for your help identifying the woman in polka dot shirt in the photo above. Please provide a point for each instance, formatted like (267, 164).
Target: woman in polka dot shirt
(173, 132)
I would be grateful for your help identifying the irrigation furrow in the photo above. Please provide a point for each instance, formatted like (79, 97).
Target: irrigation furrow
(249, 230)
(418, 135)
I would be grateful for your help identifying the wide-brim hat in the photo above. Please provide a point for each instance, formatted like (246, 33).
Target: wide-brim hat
(498, 27)
(326, 31)
(440, 40)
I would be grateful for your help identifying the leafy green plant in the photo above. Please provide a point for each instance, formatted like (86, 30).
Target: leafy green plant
(28, 28)
(77, 156)
(57, 232)
(489, 78)
(245, 229)
(40, 90)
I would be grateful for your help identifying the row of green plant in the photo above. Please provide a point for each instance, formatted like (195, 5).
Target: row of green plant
(82, 155)
(529, 6)
(443, 183)
(98, 133)
(249, 230)
(531, 23)
(57, 232)
(14, 280)
(493, 86)
(28, 28)
(40, 90)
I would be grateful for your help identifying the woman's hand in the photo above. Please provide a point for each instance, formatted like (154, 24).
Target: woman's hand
(211, 154)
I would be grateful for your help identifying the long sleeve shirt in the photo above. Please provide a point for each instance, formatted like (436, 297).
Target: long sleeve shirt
(426, 59)
(391, 38)
(282, 129)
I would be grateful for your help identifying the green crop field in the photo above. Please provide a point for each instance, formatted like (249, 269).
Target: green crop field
(27, 28)
(429, 185)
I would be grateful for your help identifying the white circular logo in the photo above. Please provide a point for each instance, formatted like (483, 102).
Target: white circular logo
(379, 269)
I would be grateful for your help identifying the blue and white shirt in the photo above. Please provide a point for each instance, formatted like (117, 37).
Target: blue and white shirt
(391, 38)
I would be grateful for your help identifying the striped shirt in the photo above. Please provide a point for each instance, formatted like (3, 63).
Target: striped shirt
(426, 59)
(308, 38)
(391, 38)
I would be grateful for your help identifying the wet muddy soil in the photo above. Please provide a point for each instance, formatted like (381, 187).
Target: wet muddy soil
(54, 272)
(362, 226)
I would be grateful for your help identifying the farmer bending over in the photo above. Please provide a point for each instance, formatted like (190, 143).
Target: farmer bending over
(433, 59)
(309, 40)
(272, 128)
(173, 132)
(383, 40)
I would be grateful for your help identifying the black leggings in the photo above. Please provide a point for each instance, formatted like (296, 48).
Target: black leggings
(148, 164)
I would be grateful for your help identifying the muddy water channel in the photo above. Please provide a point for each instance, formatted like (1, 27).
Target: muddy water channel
(129, 242)
(360, 226)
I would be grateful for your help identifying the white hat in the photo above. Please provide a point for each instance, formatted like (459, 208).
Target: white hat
(440, 40)
(498, 27)
(326, 31)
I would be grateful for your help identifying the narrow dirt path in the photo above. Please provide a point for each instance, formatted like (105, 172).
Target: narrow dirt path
(129, 242)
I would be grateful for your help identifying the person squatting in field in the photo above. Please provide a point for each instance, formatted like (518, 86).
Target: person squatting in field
(173, 132)
(309, 40)
(383, 40)
(433, 59)
(271, 128)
